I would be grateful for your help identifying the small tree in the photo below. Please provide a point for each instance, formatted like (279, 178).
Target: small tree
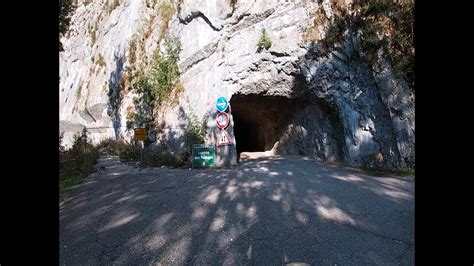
(66, 8)
(264, 41)
(196, 132)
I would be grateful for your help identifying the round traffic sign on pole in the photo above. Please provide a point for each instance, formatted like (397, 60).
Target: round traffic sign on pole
(222, 120)
(222, 104)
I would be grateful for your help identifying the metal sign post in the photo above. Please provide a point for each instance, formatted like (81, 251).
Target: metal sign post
(141, 154)
(141, 134)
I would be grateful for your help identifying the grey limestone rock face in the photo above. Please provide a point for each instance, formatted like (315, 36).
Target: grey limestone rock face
(337, 107)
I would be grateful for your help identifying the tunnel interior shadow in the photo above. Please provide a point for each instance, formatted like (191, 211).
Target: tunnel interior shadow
(260, 120)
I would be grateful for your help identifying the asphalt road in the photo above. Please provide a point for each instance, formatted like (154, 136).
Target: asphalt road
(274, 211)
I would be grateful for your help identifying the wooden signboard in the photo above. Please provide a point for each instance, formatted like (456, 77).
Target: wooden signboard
(141, 134)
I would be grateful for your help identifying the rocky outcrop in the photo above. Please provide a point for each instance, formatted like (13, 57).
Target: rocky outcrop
(376, 110)
(337, 107)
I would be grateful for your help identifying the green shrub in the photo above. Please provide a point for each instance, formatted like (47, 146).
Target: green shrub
(164, 72)
(396, 21)
(128, 152)
(101, 61)
(155, 86)
(76, 162)
(109, 146)
(392, 21)
(66, 9)
(405, 171)
(151, 157)
(334, 33)
(161, 157)
(61, 147)
(264, 41)
(196, 130)
(132, 57)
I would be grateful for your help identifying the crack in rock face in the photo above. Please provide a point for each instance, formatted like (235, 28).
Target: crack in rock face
(293, 98)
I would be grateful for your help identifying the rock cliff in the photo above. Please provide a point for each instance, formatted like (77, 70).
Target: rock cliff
(305, 94)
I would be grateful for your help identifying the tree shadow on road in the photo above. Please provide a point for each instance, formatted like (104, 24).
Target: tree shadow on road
(269, 211)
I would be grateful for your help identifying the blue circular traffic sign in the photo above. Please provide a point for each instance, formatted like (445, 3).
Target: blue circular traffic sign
(222, 104)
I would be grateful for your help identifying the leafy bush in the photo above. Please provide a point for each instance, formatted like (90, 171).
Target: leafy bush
(161, 157)
(334, 34)
(66, 8)
(196, 131)
(127, 152)
(164, 72)
(132, 57)
(151, 157)
(158, 82)
(156, 85)
(264, 41)
(395, 22)
(75, 163)
(384, 24)
(195, 134)
(109, 146)
(405, 171)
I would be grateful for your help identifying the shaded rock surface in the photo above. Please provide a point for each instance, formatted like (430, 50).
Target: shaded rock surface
(336, 107)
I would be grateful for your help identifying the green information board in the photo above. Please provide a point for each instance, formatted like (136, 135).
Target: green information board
(203, 155)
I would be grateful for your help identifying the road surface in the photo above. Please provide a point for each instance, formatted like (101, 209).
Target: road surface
(273, 211)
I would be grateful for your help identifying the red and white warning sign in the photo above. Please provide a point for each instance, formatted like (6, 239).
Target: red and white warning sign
(223, 139)
(222, 120)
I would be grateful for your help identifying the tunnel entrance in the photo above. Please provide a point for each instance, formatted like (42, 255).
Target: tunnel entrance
(259, 121)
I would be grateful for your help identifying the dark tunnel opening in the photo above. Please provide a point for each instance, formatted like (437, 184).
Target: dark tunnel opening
(259, 120)
(248, 136)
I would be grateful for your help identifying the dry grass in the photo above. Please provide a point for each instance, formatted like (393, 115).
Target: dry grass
(113, 6)
(101, 61)
(130, 112)
(312, 33)
(176, 93)
(166, 13)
